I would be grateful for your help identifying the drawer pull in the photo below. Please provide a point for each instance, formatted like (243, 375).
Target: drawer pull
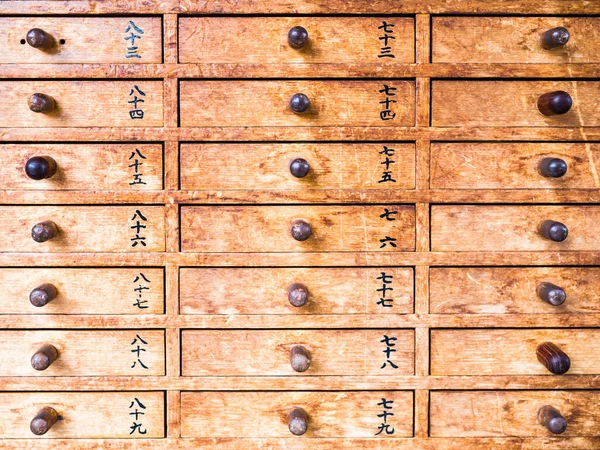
(297, 37)
(301, 230)
(39, 39)
(44, 357)
(552, 419)
(554, 231)
(43, 421)
(553, 358)
(40, 167)
(297, 421)
(41, 103)
(299, 168)
(556, 37)
(555, 103)
(299, 358)
(551, 294)
(43, 294)
(552, 167)
(298, 295)
(44, 231)
(299, 103)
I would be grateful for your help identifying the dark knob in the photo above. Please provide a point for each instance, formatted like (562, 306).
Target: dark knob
(551, 294)
(44, 231)
(40, 167)
(41, 103)
(299, 358)
(43, 421)
(555, 103)
(301, 230)
(297, 37)
(299, 103)
(297, 421)
(42, 295)
(553, 358)
(44, 357)
(554, 231)
(299, 168)
(39, 39)
(298, 294)
(552, 419)
(556, 37)
(552, 167)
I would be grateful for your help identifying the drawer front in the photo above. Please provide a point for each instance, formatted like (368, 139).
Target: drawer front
(137, 290)
(514, 166)
(512, 228)
(119, 40)
(85, 414)
(513, 40)
(82, 353)
(81, 166)
(281, 228)
(511, 352)
(275, 166)
(519, 290)
(266, 414)
(297, 291)
(512, 104)
(268, 352)
(83, 228)
(239, 103)
(131, 103)
(511, 413)
(264, 40)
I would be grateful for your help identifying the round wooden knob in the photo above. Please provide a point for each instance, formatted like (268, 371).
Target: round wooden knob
(299, 358)
(552, 167)
(551, 294)
(555, 103)
(298, 295)
(297, 421)
(552, 419)
(41, 103)
(553, 358)
(554, 231)
(297, 37)
(299, 168)
(301, 230)
(44, 231)
(299, 103)
(556, 37)
(43, 421)
(40, 167)
(44, 357)
(42, 295)
(39, 39)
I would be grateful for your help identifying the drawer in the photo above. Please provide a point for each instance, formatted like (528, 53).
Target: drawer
(296, 40)
(360, 290)
(131, 103)
(60, 353)
(387, 414)
(297, 228)
(80, 415)
(331, 103)
(82, 229)
(297, 352)
(39, 290)
(512, 351)
(480, 165)
(81, 166)
(514, 290)
(297, 166)
(515, 103)
(514, 228)
(515, 39)
(513, 413)
(59, 40)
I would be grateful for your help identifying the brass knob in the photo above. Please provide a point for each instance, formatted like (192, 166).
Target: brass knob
(44, 357)
(299, 103)
(298, 295)
(40, 167)
(44, 231)
(297, 421)
(43, 421)
(553, 358)
(552, 167)
(556, 37)
(41, 103)
(301, 230)
(39, 39)
(43, 294)
(551, 294)
(553, 231)
(555, 103)
(297, 37)
(552, 419)
(299, 168)
(299, 358)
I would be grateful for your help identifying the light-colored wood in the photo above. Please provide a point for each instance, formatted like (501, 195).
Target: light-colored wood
(267, 352)
(267, 166)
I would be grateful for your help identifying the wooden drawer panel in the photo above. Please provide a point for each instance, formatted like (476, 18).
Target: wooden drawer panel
(511, 413)
(511, 351)
(379, 290)
(511, 104)
(84, 103)
(85, 414)
(267, 166)
(84, 228)
(503, 290)
(268, 228)
(267, 352)
(333, 103)
(121, 40)
(264, 40)
(265, 414)
(85, 353)
(511, 228)
(137, 290)
(83, 166)
(512, 165)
